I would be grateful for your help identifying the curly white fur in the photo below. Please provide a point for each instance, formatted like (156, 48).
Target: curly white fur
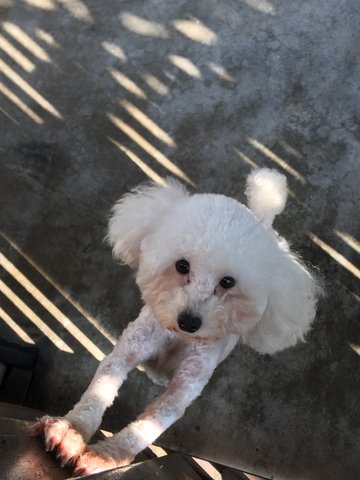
(266, 191)
(269, 305)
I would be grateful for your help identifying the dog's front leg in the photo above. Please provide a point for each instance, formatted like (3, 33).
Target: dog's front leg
(187, 384)
(70, 433)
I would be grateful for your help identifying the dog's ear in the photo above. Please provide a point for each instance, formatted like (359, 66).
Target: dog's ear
(266, 191)
(290, 310)
(137, 214)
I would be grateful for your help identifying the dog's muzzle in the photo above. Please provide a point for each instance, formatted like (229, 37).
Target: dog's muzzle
(189, 323)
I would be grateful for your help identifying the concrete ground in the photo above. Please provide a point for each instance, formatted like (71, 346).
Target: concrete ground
(99, 96)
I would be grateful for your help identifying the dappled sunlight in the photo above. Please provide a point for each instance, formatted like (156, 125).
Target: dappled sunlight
(99, 98)
(275, 158)
(16, 55)
(128, 84)
(340, 259)
(252, 164)
(51, 308)
(20, 104)
(47, 38)
(33, 49)
(355, 347)
(148, 147)
(149, 172)
(345, 237)
(246, 159)
(356, 297)
(147, 429)
(114, 50)
(185, 65)
(7, 114)
(211, 471)
(157, 451)
(263, 6)
(143, 26)
(92, 320)
(105, 388)
(290, 150)
(196, 31)
(35, 319)
(348, 291)
(205, 467)
(170, 76)
(15, 327)
(26, 41)
(349, 240)
(147, 123)
(155, 84)
(221, 72)
(30, 91)
(77, 9)
(47, 5)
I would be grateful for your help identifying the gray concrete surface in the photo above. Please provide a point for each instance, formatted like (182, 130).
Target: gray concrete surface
(228, 85)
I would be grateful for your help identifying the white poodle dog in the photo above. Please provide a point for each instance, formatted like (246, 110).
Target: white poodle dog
(211, 272)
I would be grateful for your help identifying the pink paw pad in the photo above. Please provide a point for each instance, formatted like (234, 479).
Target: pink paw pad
(59, 434)
(92, 462)
(54, 431)
(71, 446)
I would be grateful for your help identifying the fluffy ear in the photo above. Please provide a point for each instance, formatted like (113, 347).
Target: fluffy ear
(137, 214)
(266, 191)
(290, 310)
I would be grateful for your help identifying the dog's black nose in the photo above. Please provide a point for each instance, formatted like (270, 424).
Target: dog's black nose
(188, 322)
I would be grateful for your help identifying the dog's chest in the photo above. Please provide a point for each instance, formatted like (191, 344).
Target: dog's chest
(161, 367)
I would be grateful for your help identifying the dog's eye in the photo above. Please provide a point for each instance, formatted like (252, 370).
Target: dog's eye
(182, 266)
(227, 282)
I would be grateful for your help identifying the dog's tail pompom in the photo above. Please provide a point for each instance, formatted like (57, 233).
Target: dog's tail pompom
(266, 191)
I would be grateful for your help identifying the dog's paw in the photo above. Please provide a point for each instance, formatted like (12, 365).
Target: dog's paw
(92, 462)
(54, 429)
(60, 435)
(101, 456)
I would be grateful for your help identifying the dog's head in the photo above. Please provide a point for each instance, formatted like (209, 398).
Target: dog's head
(208, 266)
